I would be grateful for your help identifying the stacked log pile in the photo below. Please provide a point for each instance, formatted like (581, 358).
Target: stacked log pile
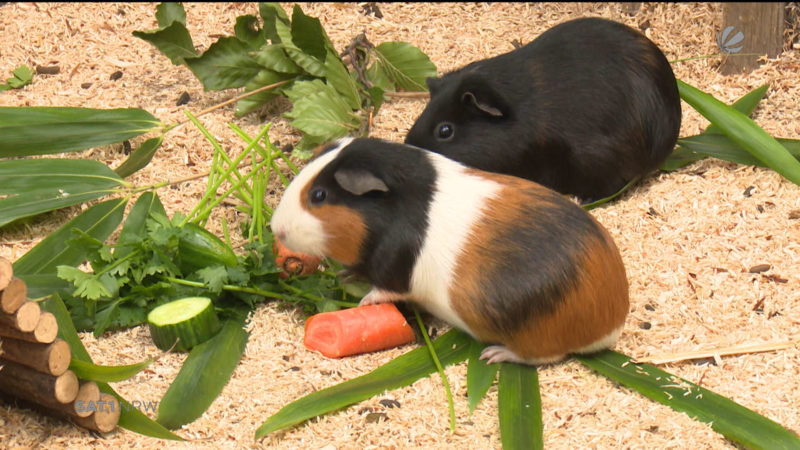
(34, 364)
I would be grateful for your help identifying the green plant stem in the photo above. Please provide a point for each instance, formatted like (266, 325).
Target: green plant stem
(439, 368)
(256, 291)
(234, 187)
(274, 150)
(313, 297)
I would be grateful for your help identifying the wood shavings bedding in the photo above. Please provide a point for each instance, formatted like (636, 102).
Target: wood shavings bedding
(688, 238)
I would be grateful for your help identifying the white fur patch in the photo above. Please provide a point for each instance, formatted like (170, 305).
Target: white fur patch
(291, 222)
(603, 343)
(458, 202)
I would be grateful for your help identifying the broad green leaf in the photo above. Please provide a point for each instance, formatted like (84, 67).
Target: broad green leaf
(174, 41)
(307, 34)
(34, 186)
(169, 12)
(130, 418)
(725, 416)
(265, 77)
(337, 76)
(109, 374)
(306, 145)
(271, 13)
(308, 63)
(319, 110)
(743, 131)
(274, 58)
(38, 266)
(140, 157)
(377, 76)
(682, 156)
(406, 65)
(722, 147)
(519, 407)
(226, 64)
(203, 375)
(24, 74)
(480, 375)
(246, 30)
(39, 130)
(452, 347)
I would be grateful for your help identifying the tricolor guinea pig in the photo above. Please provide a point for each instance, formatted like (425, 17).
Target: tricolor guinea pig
(584, 108)
(509, 261)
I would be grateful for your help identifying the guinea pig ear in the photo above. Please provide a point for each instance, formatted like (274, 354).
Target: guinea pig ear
(433, 84)
(359, 181)
(484, 106)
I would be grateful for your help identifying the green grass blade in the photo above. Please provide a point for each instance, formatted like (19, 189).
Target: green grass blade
(37, 267)
(519, 407)
(130, 418)
(480, 375)
(452, 347)
(743, 131)
(37, 130)
(725, 416)
(108, 374)
(203, 376)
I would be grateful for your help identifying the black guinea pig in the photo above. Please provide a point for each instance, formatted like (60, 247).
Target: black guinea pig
(509, 261)
(583, 109)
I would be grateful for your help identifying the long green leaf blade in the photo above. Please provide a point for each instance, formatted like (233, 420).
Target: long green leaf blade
(452, 347)
(727, 417)
(140, 157)
(480, 375)
(38, 266)
(519, 407)
(203, 375)
(34, 186)
(722, 147)
(108, 374)
(743, 131)
(683, 156)
(130, 418)
(38, 130)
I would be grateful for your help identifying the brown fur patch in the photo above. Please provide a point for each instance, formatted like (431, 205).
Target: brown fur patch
(345, 229)
(596, 304)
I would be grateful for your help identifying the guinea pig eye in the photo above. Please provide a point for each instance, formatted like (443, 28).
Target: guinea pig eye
(318, 195)
(444, 131)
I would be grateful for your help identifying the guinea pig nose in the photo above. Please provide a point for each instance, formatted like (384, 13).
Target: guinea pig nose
(281, 235)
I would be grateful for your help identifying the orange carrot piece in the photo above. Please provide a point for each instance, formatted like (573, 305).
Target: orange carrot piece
(293, 263)
(357, 330)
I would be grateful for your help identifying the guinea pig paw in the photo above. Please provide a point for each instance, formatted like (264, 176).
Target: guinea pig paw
(377, 296)
(499, 353)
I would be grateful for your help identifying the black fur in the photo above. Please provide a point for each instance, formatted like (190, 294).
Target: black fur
(586, 107)
(396, 220)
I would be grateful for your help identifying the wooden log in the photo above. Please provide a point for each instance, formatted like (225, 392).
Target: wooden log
(25, 319)
(13, 296)
(88, 394)
(52, 359)
(106, 417)
(45, 332)
(6, 272)
(42, 389)
(761, 25)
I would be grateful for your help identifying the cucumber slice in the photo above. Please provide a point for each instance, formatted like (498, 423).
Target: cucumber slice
(190, 320)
